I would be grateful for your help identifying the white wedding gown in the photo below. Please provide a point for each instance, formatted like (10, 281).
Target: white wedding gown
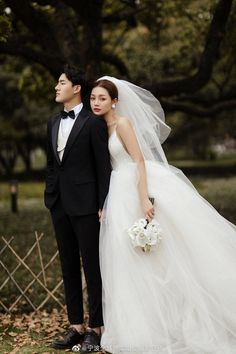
(181, 297)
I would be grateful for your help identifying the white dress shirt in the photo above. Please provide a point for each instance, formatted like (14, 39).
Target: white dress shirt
(64, 130)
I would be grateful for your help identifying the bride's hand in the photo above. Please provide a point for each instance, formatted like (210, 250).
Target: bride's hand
(101, 215)
(148, 209)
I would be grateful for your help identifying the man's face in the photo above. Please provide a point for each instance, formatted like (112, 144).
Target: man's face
(65, 91)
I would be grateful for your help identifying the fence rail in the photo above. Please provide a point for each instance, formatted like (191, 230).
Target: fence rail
(37, 289)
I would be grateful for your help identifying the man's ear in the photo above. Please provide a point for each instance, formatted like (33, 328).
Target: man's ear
(77, 88)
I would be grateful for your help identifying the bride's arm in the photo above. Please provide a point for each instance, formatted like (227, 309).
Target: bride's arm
(127, 135)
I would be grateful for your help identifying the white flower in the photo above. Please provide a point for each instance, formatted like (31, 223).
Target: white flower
(151, 238)
(141, 239)
(142, 223)
(145, 235)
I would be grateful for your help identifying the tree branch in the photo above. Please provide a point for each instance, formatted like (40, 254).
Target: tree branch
(35, 21)
(90, 16)
(84, 7)
(196, 110)
(58, 37)
(128, 16)
(17, 46)
(64, 25)
(45, 2)
(118, 63)
(196, 82)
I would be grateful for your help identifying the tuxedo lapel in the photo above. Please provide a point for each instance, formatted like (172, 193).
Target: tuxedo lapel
(55, 129)
(78, 125)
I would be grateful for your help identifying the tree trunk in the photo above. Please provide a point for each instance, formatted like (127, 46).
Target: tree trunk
(8, 157)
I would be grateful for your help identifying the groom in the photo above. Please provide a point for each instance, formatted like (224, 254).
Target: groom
(77, 182)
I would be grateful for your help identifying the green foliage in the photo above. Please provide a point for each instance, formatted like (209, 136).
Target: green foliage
(167, 42)
(5, 23)
(158, 41)
(26, 104)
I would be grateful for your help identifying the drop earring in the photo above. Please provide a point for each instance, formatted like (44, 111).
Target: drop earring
(113, 106)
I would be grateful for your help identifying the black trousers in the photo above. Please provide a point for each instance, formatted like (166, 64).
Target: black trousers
(79, 235)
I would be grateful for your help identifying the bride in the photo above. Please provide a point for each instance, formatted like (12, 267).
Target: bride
(181, 297)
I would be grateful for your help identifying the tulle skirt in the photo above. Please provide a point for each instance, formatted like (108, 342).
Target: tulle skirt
(181, 297)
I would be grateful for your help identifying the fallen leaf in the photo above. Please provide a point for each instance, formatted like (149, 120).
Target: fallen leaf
(13, 334)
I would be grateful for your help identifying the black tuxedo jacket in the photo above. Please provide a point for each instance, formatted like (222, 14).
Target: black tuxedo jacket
(82, 178)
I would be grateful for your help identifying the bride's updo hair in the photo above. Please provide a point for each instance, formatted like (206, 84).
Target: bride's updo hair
(109, 86)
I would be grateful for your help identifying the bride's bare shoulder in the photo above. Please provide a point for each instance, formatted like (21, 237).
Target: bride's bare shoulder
(123, 122)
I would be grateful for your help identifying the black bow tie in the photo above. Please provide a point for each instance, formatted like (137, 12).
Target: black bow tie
(70, 114)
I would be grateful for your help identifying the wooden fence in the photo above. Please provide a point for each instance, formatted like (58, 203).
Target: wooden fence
(36, 290)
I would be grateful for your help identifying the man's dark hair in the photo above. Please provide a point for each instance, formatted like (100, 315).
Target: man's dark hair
(77, 77)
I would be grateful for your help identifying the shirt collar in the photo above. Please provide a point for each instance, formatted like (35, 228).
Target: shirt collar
(77, 108)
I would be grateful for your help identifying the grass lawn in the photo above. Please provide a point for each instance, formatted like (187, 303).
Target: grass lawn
(30, 333)
(220, 192)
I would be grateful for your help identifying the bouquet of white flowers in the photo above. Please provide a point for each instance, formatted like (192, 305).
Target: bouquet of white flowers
(145, 234)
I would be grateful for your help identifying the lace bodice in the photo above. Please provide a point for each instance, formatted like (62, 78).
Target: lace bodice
(119, 155)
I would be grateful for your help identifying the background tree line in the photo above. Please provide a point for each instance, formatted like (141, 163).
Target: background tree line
(182, 50)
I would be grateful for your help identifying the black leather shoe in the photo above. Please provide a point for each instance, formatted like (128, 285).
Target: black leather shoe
(72, 338)
(91, 342)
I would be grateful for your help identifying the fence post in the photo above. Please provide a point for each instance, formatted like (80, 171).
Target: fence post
(14, 195)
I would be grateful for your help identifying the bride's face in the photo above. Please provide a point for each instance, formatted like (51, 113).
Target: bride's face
(100, 101)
